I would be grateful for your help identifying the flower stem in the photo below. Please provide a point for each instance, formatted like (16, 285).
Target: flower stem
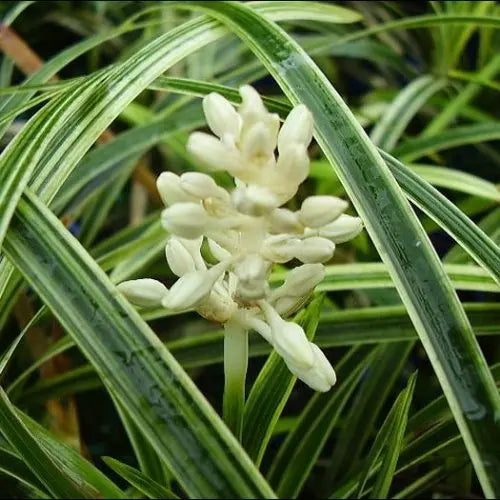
(235, 371)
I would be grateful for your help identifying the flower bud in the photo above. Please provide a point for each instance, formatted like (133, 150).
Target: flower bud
(254, 200)
(287, 305)
(143, 292)
(251, 103)
(202, 186)
(187, 220)
(292, 169)
(221, 117)
(256, 142)
(252, 273)
(297, 129)
(299, 283)
(314, 249)
(193, 246)
(179, 259)
(289, 339)
(301, 280)
(321, 376)
(212, 153)
(217, 251)
(282, 220)
(169, 187)
(342, 229)
(320, 210)
(280, 248)
(218, 307)
(251, 267)
(192, 288)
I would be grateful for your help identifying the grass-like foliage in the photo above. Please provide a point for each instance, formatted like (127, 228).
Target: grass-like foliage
(104, 397)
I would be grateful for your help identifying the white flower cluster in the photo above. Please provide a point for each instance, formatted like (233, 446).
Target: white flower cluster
(247, 232)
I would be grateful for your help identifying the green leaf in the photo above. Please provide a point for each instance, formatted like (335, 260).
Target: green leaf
(13, 466)
(403, 108)
(432, 304)
(299, 452)
(447, 115)
(137, 479)
(161, 399)
(394, 444)
(369, 400)
(149, 461)
(81, 379)
(490, 225)
(312, 11)
(61, 345)
(430, 431)
(453, 220)
(423, 483)
(445, 177)
(369, 325)
(450, 178)
(413, 149)
(388, 444)
(271, 391)
(70, 462)
(5, 357)
(38, 460)
(97, 103)
(365, 275)
(105, 160)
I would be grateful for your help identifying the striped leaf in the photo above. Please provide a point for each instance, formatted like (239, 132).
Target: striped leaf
(159, 396)
(432, 304)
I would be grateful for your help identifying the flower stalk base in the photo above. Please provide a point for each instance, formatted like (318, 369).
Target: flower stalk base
(235, 371)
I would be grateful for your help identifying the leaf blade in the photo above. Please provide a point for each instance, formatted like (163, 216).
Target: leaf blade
(171, 402)
(379, 201)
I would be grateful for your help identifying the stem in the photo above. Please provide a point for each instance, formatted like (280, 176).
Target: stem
(235, 371)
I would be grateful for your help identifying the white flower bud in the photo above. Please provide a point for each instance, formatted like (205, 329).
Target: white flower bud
(187, 220)
(202, 186)
(292, 169)
(301, 280)
(193, 246)
(251, 103)
(297, 129)
(217, 251)
(179, 259)
(272, 121)
(314, 249)
(218, 307)
(221, 117)
(169, 187)
(287, 305)
(192, 288)
(343, 229)
(299, 283)
(212, 153)
(254, 200)
(282, 220)
(144, 292)
(321, 376)
(251, 272)
(256, 142)
(289, 339)
(280, 248)
(250, 291)
(251, 267)
(320, 210)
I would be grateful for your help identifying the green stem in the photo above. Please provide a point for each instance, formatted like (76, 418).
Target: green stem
(235, 371)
